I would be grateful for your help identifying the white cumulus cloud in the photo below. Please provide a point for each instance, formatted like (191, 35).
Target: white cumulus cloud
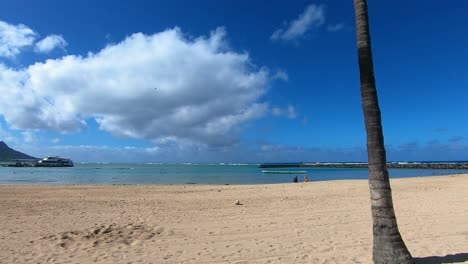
(157, 87)
(313, 16)
(50, 43)
(13, 38)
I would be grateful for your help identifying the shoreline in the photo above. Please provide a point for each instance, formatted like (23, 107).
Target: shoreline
(224, 184)
(314, 222)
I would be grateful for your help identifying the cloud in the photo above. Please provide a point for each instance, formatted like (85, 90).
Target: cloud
(335, 27)
(154, 87)
(313, 16)
(288, 153)
(412, 151)
(6, 136)
(456, 139)
(104, 153)
(441, 130)
(151, 150)
(281, 75)
(411, 146)
(25, 106)
(289, 112)
(50, 43)
(29, 137)
(433, 150)
(13, 38)
(195, 153)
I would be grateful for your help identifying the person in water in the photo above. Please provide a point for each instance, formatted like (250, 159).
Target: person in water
(306, 179)
(295, 179)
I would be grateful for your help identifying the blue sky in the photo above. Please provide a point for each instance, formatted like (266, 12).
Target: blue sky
(229, 81)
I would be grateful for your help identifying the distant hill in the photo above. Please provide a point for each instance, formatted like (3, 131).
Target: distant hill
(7, 153)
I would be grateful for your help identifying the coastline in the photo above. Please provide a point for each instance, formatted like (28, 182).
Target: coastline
(93, 173)
(315, 222)
(59, 185)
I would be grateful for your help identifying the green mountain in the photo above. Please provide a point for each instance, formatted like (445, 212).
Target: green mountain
(7, 153)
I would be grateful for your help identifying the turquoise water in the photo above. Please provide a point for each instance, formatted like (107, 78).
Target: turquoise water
(94, 173)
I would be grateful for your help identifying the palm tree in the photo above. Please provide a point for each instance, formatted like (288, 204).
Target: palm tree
(388, 245)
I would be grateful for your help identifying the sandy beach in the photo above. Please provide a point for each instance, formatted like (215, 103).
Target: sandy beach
(315, 222)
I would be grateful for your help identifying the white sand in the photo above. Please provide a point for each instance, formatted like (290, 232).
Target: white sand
(315, 222)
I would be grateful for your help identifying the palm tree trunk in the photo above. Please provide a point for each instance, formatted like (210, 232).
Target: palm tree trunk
(388, 245)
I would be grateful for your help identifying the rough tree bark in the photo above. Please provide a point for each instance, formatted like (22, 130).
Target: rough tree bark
(388, 246)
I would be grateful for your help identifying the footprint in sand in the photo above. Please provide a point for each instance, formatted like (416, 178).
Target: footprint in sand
(103, 236)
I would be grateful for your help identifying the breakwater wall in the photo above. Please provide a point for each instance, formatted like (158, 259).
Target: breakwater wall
(457, 166)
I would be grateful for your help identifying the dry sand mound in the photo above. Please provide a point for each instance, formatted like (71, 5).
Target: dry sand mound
(102, 243)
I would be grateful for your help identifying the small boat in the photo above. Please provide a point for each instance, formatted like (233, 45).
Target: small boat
(284, 172)
(54, 162)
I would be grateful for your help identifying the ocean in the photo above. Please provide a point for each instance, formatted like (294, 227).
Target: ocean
(114, 173)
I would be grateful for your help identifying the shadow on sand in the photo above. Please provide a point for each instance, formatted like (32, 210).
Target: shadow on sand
(455, 258)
